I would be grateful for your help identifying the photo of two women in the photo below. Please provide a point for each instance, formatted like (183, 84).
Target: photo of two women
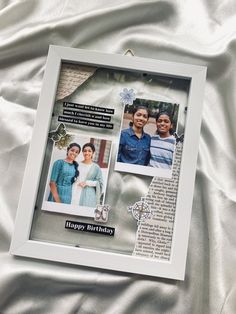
(78, 173)
(147, 135)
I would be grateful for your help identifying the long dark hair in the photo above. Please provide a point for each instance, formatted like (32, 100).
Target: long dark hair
(75, 163)
(166, 113)
(137, 108)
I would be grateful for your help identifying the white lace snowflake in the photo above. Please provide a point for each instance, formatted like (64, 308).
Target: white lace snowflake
(140, 211)
(127, 96)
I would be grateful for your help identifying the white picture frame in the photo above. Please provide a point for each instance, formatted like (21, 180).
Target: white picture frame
(22, 245)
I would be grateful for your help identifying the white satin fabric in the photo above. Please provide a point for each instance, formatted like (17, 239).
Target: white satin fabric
(197, 32)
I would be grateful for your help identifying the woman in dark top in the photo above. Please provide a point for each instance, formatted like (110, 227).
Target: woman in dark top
(134, 146)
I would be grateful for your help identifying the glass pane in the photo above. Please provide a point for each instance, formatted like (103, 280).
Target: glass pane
(111, 168)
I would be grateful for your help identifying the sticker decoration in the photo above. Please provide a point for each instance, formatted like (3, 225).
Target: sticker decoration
(127, 96)
(60, 137)
(179, 139)
(87, 227)
(140, 211)
(101, 213)
(72, 76)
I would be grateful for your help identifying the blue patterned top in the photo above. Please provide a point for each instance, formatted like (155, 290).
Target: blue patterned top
(62, 174)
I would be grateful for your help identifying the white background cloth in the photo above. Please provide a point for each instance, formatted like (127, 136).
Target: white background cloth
(197, 32)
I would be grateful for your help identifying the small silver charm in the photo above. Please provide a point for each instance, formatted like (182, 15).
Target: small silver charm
(179, 138)
(101, 213)
(141, 211)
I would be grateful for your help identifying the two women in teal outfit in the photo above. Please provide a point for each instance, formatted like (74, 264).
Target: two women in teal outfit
(70, 186)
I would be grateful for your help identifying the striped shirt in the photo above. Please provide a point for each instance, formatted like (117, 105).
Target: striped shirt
(161, 151)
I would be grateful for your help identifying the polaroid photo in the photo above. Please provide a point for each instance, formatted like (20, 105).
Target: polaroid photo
(147, 138)
(77, 177)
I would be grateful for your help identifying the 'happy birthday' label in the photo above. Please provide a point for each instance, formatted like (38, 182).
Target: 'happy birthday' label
(85, 227)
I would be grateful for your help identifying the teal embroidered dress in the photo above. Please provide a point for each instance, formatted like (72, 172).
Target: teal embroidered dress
(90, 195)
(62, 174)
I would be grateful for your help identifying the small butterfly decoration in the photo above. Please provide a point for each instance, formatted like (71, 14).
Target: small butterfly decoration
(127, 96)
(60, 137)
(179, 139)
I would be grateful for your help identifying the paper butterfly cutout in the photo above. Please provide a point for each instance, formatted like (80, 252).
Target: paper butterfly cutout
(179, 138)
(60, 138)
(140, 211)
(127, 96)
(57, 134)
(101, 213)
